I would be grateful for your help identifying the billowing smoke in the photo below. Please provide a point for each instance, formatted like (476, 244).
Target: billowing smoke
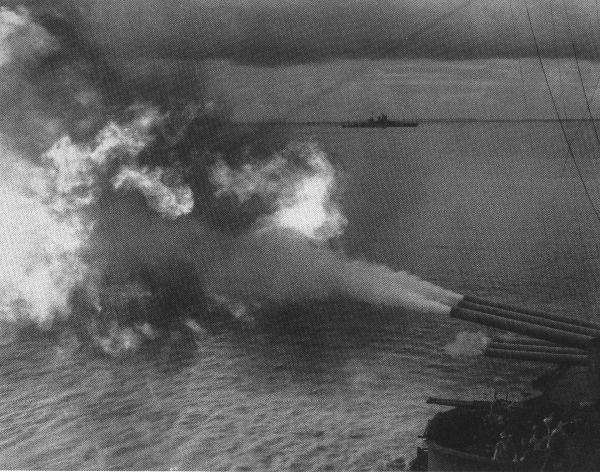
(120, 216)
(41, 240)
(282, 265)
(298, 185)
(468, 344)
(161, 197)
(281, 260)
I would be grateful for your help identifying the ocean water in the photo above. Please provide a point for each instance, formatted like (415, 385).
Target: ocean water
(492, 209)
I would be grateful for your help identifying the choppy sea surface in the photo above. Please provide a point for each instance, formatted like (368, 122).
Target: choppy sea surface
(495, 210)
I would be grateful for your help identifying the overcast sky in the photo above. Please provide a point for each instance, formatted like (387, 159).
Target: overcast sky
(444, 58)
(278, 32)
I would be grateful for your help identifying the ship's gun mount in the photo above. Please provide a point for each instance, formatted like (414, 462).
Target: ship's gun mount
(553, 328)
(541, 337)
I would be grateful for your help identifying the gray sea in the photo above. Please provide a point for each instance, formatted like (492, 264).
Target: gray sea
(492, 209)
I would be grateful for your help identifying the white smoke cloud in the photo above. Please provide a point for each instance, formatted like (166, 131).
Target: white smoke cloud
(467, 344)
(21, 39)
(281, 265)
(45, 228)
(171, 201)
(46, 223)
(58, 232)
(278, 262)
(74, 170)
(40, 235)
(302, 191)
(40, 244)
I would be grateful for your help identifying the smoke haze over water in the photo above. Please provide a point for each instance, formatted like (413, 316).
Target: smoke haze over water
(130, 199)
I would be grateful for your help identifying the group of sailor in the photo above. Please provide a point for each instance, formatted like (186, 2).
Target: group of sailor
(548, 443)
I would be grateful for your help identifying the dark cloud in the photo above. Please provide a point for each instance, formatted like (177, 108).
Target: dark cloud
(274, 32)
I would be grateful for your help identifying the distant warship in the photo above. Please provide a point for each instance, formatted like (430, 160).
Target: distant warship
(382, 121)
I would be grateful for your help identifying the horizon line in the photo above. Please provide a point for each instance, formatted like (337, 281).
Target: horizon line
(420, 120)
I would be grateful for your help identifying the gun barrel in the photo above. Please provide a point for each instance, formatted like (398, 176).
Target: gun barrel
(521, 327)
(536, 348)
(458, 403)
(552, 358)
(506, 339)
(535, 313)
(541, 321)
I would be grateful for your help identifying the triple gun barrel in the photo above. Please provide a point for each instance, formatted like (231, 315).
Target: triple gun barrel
(548, 338)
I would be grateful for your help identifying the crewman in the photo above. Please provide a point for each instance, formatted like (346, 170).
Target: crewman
(557, 458)
(534, 447)
(505, 449)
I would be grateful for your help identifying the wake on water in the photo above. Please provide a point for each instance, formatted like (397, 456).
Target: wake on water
(100, 236)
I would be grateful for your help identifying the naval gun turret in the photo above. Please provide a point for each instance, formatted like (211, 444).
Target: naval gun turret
(542, 337)
(463, 438)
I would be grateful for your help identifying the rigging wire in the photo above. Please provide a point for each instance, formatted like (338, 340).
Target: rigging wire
(560, 78)
(562, 89)
(596, 87)
(560, 121)
(521, 73)
(558, 65)
(580, 75)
